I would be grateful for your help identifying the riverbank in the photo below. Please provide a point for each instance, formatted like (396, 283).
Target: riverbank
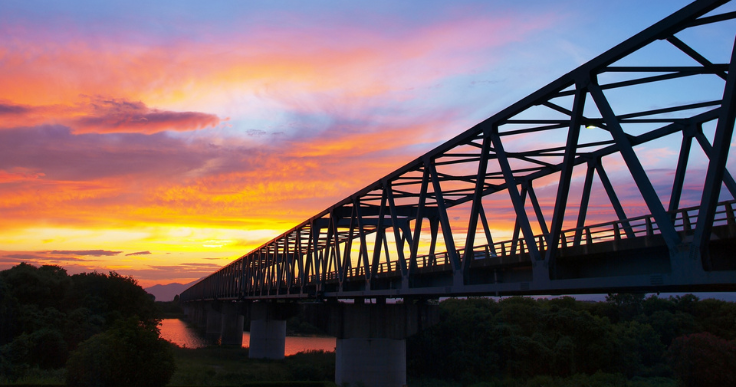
(223, 366)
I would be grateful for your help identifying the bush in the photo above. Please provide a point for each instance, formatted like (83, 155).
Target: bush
(316, 365)
(703, 359)
(129, 354)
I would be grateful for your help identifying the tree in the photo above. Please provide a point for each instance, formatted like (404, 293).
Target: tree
(45, 286)
(8, 314)
(111, 296)
(628, 305)
(131, 353)
(45, 314)
(704, 360)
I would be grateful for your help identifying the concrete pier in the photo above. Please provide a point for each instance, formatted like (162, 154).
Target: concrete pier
(371, 338)
(232, 324)
(200, 319)
(213, 327)
(267, 331)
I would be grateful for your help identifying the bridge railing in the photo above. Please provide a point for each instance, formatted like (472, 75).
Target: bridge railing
(684, 221)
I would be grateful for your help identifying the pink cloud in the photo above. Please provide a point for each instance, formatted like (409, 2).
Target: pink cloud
(110, 115)
(72, 160)
(350, 60)
(18, 175)
(105, 115)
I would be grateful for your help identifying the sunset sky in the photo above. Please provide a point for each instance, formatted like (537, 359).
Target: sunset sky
(164, 139)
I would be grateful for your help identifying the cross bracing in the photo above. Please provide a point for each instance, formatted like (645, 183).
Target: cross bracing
(560, 192)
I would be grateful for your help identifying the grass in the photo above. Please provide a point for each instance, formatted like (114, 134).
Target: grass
(599, 379)
(230, 366)
(222, 366)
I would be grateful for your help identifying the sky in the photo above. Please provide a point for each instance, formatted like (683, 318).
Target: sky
(164, 139)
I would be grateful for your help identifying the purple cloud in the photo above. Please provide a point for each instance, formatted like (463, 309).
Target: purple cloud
(139, 253)
(94, 253)
(36, 258)
(8, 109)
(119, 115)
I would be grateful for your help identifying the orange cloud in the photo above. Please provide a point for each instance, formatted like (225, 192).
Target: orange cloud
(132, 158)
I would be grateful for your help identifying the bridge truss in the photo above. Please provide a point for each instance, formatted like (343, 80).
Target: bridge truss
(611, 178)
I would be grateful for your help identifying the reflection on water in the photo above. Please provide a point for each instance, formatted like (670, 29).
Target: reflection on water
(177, 332)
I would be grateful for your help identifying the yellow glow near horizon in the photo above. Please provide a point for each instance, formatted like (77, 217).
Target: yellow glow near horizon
(162, 238)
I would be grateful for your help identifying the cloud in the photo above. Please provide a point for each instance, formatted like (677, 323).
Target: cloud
(49, 174)
(105, 115)
(94, 253)
(116, 131)
(8, 109)
(37, 258)
(41, 257)
(121, 131)
(139, 253)
(186, 269)
(111, 115)
(57, 155)
(257, 68)
(18, 174)
(189, 268)
(24, 256)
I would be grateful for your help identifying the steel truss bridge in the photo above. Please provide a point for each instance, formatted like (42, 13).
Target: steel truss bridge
(570, 171)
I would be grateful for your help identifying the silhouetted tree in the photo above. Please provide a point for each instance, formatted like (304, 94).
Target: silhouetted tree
(9, 306)
(482, 340)
(628, 305)
(130, 353)
(45, 313)
(111, 296)
(44, 287)
(704, 360)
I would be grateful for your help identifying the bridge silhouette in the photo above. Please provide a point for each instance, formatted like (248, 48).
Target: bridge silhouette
(427, 229)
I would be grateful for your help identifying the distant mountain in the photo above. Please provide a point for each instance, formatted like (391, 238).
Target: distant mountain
(167, 292)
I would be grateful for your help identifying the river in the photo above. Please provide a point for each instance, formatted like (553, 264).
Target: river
(177, 332)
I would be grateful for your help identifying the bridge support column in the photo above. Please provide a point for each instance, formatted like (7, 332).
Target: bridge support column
(371, 339)
(192, 315)
(267, 331)
(232, 324)
(214, 322)
(200, 320)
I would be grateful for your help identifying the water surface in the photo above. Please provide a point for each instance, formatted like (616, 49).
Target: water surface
(179, 333)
